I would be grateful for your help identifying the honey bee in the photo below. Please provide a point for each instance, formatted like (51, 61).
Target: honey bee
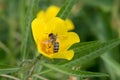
(52, 40)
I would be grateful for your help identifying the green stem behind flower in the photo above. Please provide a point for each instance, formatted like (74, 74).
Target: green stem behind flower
(27, 28)
(33, 66)
(66, 8)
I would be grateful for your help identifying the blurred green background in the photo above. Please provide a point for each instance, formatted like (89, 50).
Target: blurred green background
(93, 20)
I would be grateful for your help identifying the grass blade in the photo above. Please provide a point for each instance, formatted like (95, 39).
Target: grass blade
(28, 28)
(8, 76)
(8, 70)
(88, 53)
(66, 8)
(73, 72)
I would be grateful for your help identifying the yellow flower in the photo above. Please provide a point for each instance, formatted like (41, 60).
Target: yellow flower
(51, 34)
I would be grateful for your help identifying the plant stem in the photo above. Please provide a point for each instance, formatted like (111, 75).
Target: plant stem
(8, 76)
(31, 71)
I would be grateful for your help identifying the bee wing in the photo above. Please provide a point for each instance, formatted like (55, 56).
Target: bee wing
(46, 42)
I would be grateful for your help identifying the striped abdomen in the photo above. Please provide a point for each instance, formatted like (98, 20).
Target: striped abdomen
(56, 47)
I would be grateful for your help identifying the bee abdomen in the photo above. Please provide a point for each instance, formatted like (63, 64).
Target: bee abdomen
(56, 47)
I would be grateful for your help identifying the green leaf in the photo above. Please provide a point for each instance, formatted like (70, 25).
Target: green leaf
(82, 46)
(68, 71)
(3, 66)
(39, 77)
(27, 28)
(8, 70)
(85, 44)
(113, 64)
(86, 53)
(66, 8)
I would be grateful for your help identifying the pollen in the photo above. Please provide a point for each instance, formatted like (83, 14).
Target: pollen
(47, 47)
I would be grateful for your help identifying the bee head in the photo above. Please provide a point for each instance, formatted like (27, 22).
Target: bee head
(51, 34)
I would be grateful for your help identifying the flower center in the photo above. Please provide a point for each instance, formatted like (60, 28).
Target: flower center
(50, 45)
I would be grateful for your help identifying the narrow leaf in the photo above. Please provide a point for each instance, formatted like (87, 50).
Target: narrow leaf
(8, 70)
(40, 77)
(68, 71)
(84, 45)
(25, 44)
(66, 8)
(88, 53)
(114, 65)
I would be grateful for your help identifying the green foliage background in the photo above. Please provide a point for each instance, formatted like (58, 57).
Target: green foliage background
(97, 22)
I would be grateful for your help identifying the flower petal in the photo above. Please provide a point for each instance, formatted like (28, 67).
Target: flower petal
(64, 55)
(67, 40)
(51, 12)
(41, 15)
(38, 28)
(69, 24)
(57, 26)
